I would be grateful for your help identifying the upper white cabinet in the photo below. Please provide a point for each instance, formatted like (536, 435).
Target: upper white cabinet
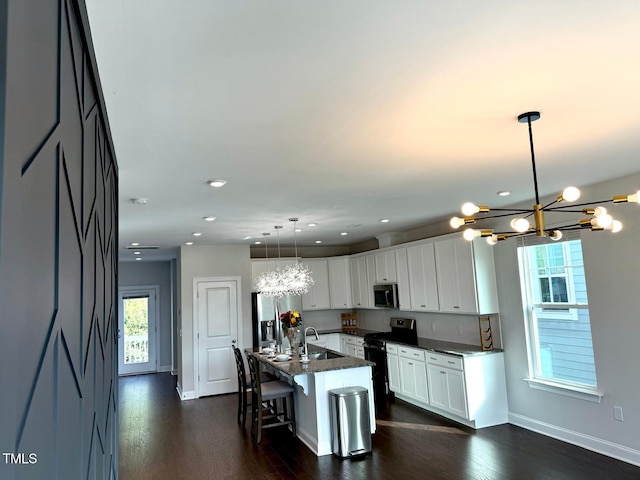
(422, 277)
(402, 269)
(362, 276)
(317, 298)
(385, 265)
(340, 282)
(466, 276)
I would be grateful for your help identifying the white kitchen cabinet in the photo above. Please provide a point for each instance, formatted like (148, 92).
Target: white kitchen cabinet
(317, 298)
(343, 343)
(332, 341)
(422, 277)
(385, 267)
(354, 346)
(362, 280)
(446, 383)
(466, 276)
(327, 340)
(468, 389)
(413, 374)
(393, 367)
(402, 269)
(340, 282)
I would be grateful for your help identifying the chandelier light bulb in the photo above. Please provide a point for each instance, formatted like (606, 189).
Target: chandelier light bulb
(555, 235)
(469, 209)
(469, 234)
(456, 222)
(492, 240)
(604, 220)
(570, 194)
(634, 197)
(520, 225)
(599, 211)
(615, 226)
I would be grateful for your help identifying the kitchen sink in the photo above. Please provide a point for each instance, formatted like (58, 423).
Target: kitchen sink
(326, 355)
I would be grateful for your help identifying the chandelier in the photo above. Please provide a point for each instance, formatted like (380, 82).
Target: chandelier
(291, 280)
(596, 218)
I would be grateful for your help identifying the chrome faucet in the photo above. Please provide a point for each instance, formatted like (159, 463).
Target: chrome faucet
(306, 351)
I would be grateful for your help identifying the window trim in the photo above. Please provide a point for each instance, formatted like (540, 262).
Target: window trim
(576, 391)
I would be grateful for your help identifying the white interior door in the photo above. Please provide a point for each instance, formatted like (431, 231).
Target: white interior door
(218, 319)
(137, 330)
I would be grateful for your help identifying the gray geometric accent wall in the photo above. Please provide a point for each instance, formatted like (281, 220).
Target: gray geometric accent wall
(58, 249)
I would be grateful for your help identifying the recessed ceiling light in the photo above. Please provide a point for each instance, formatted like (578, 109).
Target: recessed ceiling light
(140, 201)
(343, 233)
(188, 243)
(257, 242)
(136, 253)
(318, 241)
(138, 259)
(217, 183)
(209, 219)
(197, 234)
(135, 244)
(504, 193)
(247, 237)
(384, 220)
(312, 224)
(298, 230)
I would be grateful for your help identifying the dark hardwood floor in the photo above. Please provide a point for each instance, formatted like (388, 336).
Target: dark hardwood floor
(164, 438)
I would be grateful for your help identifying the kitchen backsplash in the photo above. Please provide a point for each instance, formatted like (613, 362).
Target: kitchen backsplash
(438, 326)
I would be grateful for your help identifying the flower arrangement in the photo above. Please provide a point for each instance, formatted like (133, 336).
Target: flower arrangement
(290, 319)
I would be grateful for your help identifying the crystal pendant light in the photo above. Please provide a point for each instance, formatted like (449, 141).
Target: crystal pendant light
(297, 278)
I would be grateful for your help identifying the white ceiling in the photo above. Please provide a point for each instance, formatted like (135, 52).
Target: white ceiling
(345, 112)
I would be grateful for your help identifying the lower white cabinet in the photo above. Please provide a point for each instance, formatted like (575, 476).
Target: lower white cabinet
(446, 385)
(353, 346)
(413, 374)
(469, 389)
(327, 340)
(393, 367)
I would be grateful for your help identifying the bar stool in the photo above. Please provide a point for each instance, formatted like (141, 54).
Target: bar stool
(244, 383)
(265, 392)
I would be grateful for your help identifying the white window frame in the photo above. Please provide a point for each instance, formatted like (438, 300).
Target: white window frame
(536, 379)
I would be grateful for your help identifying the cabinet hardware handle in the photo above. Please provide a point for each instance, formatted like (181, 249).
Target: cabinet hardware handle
(444, 373)
(423, 306)
(456, 306)
(452, 363)
(410, 363)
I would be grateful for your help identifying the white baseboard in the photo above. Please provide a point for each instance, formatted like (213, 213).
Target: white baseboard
(594, 444)
(190, 395)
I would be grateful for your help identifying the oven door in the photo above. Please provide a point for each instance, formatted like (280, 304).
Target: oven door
(377, 354)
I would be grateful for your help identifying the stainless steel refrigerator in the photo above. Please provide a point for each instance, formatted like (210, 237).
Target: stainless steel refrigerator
(266, 317)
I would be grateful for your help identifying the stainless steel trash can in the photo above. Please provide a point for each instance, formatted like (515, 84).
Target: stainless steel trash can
(350, 422)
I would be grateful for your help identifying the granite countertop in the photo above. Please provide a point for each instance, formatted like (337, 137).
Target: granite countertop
(438, 346)
(294, 367)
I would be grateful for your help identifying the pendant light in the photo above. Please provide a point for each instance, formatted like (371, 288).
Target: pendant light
(298, 278)
(597, 219)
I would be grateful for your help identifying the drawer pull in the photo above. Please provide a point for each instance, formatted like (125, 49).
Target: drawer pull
(450, 362)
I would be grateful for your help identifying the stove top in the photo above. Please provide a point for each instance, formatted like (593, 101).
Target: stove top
(403, 330)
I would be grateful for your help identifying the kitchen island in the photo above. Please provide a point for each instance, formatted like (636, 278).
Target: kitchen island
(325, 371)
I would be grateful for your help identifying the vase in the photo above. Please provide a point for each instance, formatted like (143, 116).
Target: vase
(292, 336)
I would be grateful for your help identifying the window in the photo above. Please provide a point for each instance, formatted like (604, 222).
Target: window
(557, 315)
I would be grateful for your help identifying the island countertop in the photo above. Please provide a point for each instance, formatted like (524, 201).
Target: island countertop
(295, 367)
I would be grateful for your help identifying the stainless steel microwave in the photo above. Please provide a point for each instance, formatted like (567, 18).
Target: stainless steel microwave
(386, 295)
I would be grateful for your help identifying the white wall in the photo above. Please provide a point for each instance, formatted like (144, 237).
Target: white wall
(208, 261)
(612, 263)
(132, 274)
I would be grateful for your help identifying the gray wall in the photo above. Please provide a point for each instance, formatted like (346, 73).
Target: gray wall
(58, 242)
(612, 263)
(208, 261)
(132, 274)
